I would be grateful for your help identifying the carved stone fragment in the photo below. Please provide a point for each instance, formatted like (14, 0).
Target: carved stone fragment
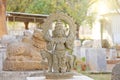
(25, 55)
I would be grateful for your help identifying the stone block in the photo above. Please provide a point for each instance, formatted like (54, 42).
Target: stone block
(116, 72)
(96, 59)
(23, 65)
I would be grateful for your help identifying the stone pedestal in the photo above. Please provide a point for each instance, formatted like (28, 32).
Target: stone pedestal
(36, 75)
(77, 77)
(67, 75)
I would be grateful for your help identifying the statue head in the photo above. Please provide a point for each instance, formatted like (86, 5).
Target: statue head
(59, 30)
(59, 25)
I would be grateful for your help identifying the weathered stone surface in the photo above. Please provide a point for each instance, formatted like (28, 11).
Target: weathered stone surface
(66, 75)
(22, 65)
(34, 75)
(116, 72)
(19, 75)
(2, 57)
(76, 77)
(25, 55)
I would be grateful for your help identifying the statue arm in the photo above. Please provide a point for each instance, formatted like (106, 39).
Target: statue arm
(48, 37)
(70, 41)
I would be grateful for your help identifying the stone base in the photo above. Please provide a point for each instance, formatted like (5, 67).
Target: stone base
(22, 65)
(34, 75)
(19, 75)
(80, 77)
(66, 75)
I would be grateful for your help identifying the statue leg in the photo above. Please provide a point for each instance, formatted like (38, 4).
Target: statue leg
(62, 64)
(55, 63)
(50, 66)
(69, 66)
(50, 62)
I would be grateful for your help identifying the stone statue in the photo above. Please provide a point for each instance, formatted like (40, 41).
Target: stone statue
(59, 39)
(59, 48)
(59, 44)
(20, 55)
(38, 41)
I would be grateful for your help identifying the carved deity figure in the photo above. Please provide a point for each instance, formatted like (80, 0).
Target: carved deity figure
(58, 43)
(59, 48)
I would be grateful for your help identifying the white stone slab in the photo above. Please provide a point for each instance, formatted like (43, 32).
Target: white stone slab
(82, 77)
(96, 58)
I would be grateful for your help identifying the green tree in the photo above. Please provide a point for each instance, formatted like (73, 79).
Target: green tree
(41, 7)
(78, 9)
(18, 5)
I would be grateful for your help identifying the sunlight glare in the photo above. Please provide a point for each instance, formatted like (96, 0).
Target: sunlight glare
(102, 7)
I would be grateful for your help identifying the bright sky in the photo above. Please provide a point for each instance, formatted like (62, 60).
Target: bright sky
(102, 7)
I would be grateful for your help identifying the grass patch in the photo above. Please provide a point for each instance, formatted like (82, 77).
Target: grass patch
(98, 76)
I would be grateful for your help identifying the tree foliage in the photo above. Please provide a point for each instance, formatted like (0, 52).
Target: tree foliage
(78, 9)
(18, 5)
(115, 5)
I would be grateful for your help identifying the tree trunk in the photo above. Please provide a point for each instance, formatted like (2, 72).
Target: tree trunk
(3, 29)
(77, 32)
(101, 30)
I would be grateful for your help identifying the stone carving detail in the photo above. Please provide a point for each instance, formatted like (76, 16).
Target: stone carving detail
(59, 41)
(25, 55)
(116, 72)
(70, 62)
(45, 54)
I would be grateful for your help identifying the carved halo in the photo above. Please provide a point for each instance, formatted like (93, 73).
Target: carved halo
(59, 16)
